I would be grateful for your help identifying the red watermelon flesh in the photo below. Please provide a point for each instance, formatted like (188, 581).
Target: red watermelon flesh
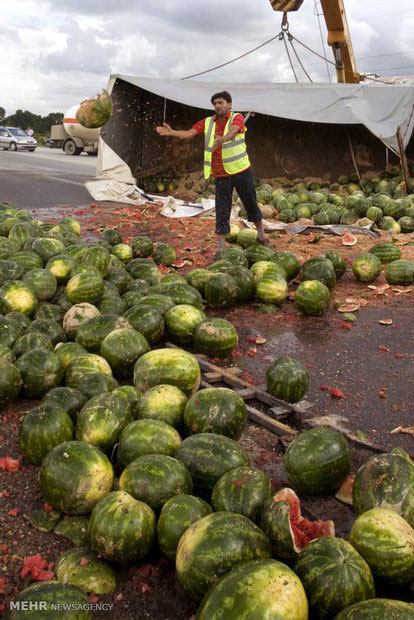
(344, 493)
(304, 531)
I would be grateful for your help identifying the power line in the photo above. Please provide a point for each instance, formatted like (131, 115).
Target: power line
(322, 39)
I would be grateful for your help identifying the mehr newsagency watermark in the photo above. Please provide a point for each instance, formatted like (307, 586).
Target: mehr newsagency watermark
(48, 606)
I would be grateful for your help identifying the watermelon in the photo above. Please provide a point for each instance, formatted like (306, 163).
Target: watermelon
(85, 364)
(16, 296)
(209, 456)
(244, 490)
(162, 303)
(337, 261)
(21, 319)
(198, 278)
(40, 370)
(163, 254)
(386, 541)
(385, 481)
(172, 366)
(375, 608)
(119, 278)
(386, 252)
(232, 235)
(318, 461)
(215, 410)
(334, 576)
(6, 354)
(96, 111)
(77, 316)
(42, 429)
(287, 379)
(130, 394)
(47, 310)
(20, 233)
(394, 209)
(130, 298)
(215, 337)
(121, 348)
(142, 246)
(245, 282)
(221, 290)
(319, 269)
(71, 224)
(74, 476)
(49, 328)
(28, 260)
(154, 478)
(287, 530)
(267, 268)
(235, 255)
(10, 382)
(162, 402)
(169, 278)
(112, 305)
(61, 266)
(278, 593)
(146, 320)
(246, 237)
(367, 267)
(41, 600)
(96, 383)
(46, 248)
(146, 437)
(10, 331)
(9, 270)
(111, 235)
(147, 271)
(406, 224)
(121, 528)
(85, 287)
(213, 546)
(92, 333)
(400, 272)
(122, 251)
(349, 239)
(102, 419)
(182, 321)
(81, 568)
(257, 252)
(312, 297)
(272, 289)
(98, 256)
(42, 282)
(177, 514)
(68, 351)
(65, 398)
(180, 293)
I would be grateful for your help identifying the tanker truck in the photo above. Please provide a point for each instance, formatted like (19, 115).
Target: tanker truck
(72, 137)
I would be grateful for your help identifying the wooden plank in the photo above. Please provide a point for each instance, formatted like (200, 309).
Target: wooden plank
(273, 425)
(245, 393)
(234, 370)
(213, 377)
(404, 163)
(279, 412)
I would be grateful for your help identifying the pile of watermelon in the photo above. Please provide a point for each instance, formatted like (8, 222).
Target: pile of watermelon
(133, 455)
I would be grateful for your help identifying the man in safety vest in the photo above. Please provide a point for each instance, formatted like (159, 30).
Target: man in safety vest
(225, 157)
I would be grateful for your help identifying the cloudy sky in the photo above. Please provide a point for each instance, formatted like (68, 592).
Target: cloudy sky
(56, 53)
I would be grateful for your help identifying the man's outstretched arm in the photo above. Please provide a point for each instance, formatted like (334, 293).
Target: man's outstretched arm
(185, 134)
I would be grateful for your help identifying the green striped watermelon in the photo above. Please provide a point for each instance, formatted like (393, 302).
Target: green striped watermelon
(49, 328)
(215, 410)
(40, 370)
(46, 247)
(386, 252)
(42, 599)
(318, 461)
(121, 528)
(68, 351)
(112, 305)
(42, 429)
(209, 456)
(172, 366)
(312, 297)
(164, 254)
(385, 481)
(122, 251)
(84, 364)
(215, 337)
(246, 237)
(367, 267)
(182, 321)
(65, 398)
(377, 608)
(142, 246)
(154, 478)
(198, 278)
(6, 354)
(320, 269)
(96, 383)
(42, 282)
(244, 280)
(162, 303)
(180, 293)
(257, 252)
(177, 514)
(214, 545)
(77, 316)
(278, 594)
(62, 267)
(287, 379)
(16, 296)
(98, 256)
(10, 331)
(163, 402)
(221, 290)
(85, 287)
(337, 261)
(10, 382)
(272, 289)
(334, 576)
(244, 490)
(121, 348)
(386, 541)
(74, 476)
(30, 341)
(146, 320)
(146, 437)
(400, 272)
(47, 310)
(102, 419)
(80, 567)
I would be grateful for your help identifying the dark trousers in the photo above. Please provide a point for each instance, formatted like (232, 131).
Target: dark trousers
(243, 182)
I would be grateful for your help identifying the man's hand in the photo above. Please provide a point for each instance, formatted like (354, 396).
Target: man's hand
(165, 130)
(218, 141)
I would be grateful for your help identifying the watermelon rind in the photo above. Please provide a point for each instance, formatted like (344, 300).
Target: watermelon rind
(376, 608)
(172, 366)
(82, 568)
(244, 490)
(73, 604)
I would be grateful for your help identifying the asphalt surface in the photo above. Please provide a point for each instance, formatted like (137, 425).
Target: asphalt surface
(45, 178)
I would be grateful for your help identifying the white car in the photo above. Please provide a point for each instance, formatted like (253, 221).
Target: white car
(14, 139)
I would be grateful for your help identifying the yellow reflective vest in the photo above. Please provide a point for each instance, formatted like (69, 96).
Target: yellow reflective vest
(234, 153)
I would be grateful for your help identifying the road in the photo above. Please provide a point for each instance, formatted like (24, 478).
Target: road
(45, 178)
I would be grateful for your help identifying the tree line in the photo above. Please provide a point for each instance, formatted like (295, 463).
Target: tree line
(23, 119)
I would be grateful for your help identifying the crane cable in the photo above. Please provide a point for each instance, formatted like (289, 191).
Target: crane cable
(298, 59)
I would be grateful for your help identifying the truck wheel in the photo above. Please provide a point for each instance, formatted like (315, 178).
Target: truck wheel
(70, 148)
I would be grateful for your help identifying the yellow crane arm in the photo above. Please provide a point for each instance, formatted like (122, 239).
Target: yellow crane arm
(339, 39)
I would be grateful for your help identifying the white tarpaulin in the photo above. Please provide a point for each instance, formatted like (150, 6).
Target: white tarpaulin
(382, 108)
